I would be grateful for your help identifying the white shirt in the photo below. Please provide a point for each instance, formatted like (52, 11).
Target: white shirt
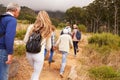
(64, 42)
(69, 29)
(9, 13)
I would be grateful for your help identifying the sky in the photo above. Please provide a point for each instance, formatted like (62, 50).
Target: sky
(53, 5)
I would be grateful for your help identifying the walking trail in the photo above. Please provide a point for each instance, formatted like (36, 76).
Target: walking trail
(51, 72)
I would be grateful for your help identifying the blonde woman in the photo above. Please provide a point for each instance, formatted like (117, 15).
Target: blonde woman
(44, 26)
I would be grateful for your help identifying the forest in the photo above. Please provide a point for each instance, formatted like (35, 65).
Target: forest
(101, 15)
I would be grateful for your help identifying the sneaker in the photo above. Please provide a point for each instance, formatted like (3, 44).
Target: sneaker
(61, 75)
(74, 55)
(53, 60)
(49, 63)
(77, 50)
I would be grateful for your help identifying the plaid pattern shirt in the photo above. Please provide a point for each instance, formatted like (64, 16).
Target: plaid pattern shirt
(53, 39)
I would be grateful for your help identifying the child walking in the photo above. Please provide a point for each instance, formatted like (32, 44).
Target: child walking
(64, 43)
(50, 60)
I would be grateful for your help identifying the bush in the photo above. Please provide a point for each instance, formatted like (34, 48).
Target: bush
(82, 28)
(19, 50)
(104, 73)
(61, 25)
(55, 21)
(105, 39)
(23, 21)
(20, 34)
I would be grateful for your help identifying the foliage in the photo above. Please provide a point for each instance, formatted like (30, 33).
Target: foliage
(105, 39)
(82, 28)
(96, 14)
(56, 15)
(2, 9)
(23, 21)
(74, 15)
(19, 50)
(61, 25)
(55, 21)
(27, 14)
(104, 73)
(20, 34)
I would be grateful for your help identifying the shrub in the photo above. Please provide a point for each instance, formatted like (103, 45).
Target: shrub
(61, 25)
(82, 28)
(104, 73)
(23, 21)
(105, 39)
(20, 34)
(55, 21)
(19, 50)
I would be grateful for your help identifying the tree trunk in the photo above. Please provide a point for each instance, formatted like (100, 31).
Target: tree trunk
(115, 23)
(91, 26)
(97, 25)
(94, 30)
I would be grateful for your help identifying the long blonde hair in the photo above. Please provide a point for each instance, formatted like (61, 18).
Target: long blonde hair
(43, 24)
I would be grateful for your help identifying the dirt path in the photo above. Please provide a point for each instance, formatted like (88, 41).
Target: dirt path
(50, 72)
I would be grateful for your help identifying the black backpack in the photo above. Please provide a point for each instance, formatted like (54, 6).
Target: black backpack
(62, 30)
(78, 35)
(33, 44)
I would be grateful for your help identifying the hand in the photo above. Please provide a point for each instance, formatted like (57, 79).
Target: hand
(9, 61)
(54, 47)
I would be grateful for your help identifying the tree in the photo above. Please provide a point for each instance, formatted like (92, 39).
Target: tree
(27, 14)
(73, 15)
(95, 12)
(2, 9)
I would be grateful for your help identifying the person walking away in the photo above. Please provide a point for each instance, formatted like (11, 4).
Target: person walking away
(75, 39)
(68, 27)
(43, 26)
(64, 43)
(52, 45)
(8, 24)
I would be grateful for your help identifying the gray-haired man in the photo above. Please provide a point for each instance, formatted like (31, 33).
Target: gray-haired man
(8, 24)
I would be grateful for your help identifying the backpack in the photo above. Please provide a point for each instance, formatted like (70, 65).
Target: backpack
(78, 35)
(33, 44)
(62, 31)
(1, 26)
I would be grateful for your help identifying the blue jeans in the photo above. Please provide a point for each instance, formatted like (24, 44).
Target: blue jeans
(3, 66)
(51, 54)
(64, 60)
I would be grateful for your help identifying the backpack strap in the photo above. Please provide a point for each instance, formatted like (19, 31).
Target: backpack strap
(1, 16)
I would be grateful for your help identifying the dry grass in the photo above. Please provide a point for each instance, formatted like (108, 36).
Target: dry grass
(22, 26)
(86, 58)
(48, 73)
